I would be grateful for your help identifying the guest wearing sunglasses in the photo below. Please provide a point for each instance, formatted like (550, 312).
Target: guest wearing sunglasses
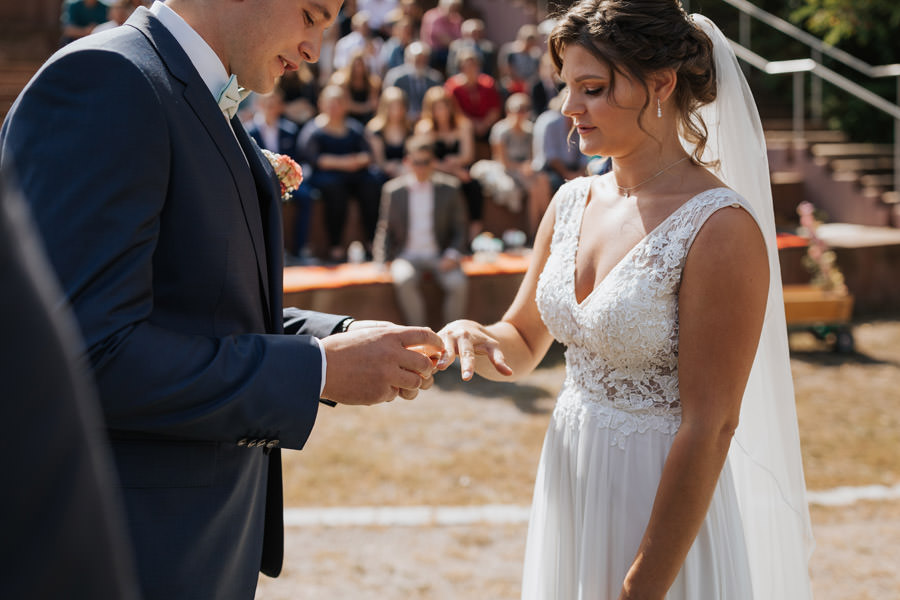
(422, 229)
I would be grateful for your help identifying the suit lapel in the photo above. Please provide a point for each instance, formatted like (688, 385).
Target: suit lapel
(243, 166)
(269, 212)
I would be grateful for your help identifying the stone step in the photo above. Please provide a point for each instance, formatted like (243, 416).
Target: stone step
(814, 136)
(851, 150)
(868, 165)
(877, 180)
(787, 194)
(787, 124)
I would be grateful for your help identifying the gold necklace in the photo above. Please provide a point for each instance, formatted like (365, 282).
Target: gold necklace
(627, 190)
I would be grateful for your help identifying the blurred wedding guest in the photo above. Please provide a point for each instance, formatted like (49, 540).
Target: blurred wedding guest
(408, 9)
(61, 517)
(359, 40)
(344, 23)
(392, 51)
(472, 32)
(557, 159)
(414, 77)
(422, 229)
(78, 18)
(545, 87)
(118, 13)
(343, 167)
(301, 93)
(276, 133)
(389, 130)
(519, 61)
(440, 26)
(476, 93)
(508, 177)
(454, 147)
(269, 127)
(362, 85)
(378, 11)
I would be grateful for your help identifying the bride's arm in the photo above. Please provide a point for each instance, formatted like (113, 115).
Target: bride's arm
(515, 345)
(722, 302)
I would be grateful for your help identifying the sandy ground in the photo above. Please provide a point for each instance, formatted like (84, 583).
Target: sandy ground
(478, 444)
(856, 559)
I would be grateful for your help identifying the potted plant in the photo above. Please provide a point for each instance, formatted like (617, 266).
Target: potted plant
(823, 306)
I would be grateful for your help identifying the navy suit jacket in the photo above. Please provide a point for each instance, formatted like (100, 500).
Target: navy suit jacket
(163, 226)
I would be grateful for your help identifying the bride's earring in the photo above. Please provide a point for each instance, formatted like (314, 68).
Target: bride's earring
(658, 109)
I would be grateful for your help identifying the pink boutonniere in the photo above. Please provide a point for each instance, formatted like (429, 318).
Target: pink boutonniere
(290, 174)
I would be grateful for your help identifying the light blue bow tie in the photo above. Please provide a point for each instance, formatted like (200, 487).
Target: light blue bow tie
(231, 97)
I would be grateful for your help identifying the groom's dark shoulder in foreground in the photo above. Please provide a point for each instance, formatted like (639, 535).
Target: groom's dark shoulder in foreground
(63, 528)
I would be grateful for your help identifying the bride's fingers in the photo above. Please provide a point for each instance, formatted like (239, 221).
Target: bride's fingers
(466, 351)
(448, 355)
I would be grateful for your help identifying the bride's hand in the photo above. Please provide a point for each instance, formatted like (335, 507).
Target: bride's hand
(469, 340)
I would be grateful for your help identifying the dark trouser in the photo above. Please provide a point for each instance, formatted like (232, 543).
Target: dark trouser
(302, 199)
(474, 200)
(337, 188)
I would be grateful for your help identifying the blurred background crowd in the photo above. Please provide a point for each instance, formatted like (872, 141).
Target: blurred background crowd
(391, 71)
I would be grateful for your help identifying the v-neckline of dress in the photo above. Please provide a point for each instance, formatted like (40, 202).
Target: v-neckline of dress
(615, 267)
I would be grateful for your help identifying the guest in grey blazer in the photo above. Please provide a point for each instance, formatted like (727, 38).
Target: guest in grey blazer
(422, 229)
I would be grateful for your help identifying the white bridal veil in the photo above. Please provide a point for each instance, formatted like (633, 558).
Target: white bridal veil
(765, 452)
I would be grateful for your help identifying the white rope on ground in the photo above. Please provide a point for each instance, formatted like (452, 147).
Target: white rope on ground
(405, 515)
(496, 514)
(847, 495)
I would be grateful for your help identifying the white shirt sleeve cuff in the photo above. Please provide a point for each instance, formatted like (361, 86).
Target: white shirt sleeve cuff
(324, 365)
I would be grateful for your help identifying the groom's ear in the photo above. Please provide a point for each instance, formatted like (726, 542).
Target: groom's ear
(662, 83)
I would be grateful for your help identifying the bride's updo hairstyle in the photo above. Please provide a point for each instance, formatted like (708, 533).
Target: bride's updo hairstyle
(638, 37)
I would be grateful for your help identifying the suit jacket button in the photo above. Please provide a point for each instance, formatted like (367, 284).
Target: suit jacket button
(272, 444)
(243, 442)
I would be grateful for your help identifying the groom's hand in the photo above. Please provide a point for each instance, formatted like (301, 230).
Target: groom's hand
(372, 363)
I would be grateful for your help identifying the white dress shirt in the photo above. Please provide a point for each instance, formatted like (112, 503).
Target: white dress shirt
(207, 62)
(420, 241)
(268, 133)
(213, 73)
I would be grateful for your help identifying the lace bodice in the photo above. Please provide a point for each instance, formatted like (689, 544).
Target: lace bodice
(622, 339)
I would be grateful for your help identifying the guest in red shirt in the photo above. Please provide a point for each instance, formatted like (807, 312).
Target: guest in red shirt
(476, 93)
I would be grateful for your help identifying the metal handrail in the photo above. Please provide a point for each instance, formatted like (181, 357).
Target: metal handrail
(814, 66)
(807, 65)
(892, 70)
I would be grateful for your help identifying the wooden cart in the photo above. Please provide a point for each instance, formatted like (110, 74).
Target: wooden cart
(825, 314)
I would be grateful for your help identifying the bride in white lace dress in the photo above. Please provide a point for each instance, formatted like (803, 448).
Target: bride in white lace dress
(662, 281)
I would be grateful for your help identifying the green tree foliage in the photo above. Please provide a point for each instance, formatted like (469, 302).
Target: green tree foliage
(867, 28)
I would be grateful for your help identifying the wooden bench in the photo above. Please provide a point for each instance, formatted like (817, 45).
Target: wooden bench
(496, 220)
(365, 290)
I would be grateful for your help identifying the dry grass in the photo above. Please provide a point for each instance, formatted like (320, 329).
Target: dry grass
(848, 407)
(479, 443)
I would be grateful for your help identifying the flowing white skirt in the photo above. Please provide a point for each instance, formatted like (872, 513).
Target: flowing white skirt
(596, 483)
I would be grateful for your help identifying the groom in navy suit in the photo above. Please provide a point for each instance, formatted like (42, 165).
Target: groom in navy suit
(160, 217)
